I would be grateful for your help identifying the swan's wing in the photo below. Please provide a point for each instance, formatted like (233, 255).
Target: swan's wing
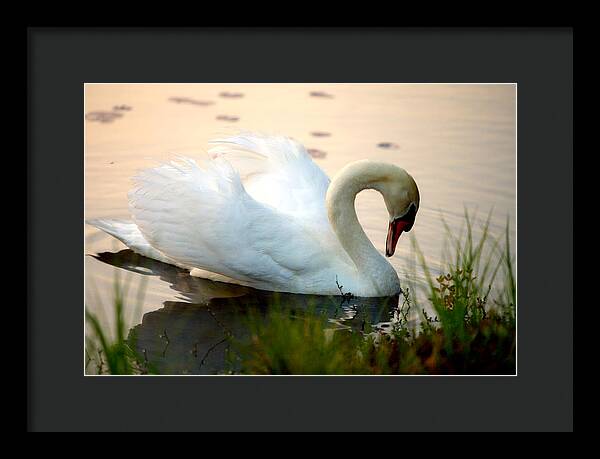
(203, 217)
(278, 171)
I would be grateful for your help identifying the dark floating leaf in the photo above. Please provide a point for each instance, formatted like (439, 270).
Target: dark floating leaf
(320, 134)
(189, 100)
(102, 116)
(321, 94)
(231, 95)
(316, 153)
(123, 107)
(388, 145)
(228, 118)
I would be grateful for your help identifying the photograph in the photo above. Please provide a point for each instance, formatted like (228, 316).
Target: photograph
(313, 229)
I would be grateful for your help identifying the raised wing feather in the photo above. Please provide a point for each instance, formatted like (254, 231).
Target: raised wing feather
(203, 217)
(278, 171)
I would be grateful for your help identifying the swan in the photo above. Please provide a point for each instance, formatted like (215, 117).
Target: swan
(261, 213)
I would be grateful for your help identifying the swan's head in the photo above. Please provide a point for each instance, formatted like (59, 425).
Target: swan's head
(398, 188)
(401, 197)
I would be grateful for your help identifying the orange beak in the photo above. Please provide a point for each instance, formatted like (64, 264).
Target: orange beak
(396, 228)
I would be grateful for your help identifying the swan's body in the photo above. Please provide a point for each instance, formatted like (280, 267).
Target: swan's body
(276, 223)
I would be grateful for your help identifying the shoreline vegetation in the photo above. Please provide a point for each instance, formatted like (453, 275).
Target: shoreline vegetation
(472, 330)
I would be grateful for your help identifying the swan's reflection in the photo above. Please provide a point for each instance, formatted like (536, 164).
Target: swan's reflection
(191, 336)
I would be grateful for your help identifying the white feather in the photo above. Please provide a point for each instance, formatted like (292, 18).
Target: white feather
(203, 217)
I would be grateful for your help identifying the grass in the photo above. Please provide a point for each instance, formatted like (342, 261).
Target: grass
(114, 355)
(463, 298)
(472, 329)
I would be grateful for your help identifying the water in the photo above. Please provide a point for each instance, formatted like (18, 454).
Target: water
(457, 141)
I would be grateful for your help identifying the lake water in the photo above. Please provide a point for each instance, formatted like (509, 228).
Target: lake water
(457, 141)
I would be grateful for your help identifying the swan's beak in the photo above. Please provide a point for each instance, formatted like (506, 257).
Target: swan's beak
(395, 229)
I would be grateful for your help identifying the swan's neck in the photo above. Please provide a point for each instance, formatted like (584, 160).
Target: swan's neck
(341, 210)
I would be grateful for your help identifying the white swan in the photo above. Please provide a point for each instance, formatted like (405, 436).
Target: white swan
(274, 223)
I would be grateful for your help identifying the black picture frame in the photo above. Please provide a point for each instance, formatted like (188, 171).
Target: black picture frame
(61, 60)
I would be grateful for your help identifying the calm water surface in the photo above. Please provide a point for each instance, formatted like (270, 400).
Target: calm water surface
(457, 141)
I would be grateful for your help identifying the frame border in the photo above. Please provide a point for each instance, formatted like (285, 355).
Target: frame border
(539, 398)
